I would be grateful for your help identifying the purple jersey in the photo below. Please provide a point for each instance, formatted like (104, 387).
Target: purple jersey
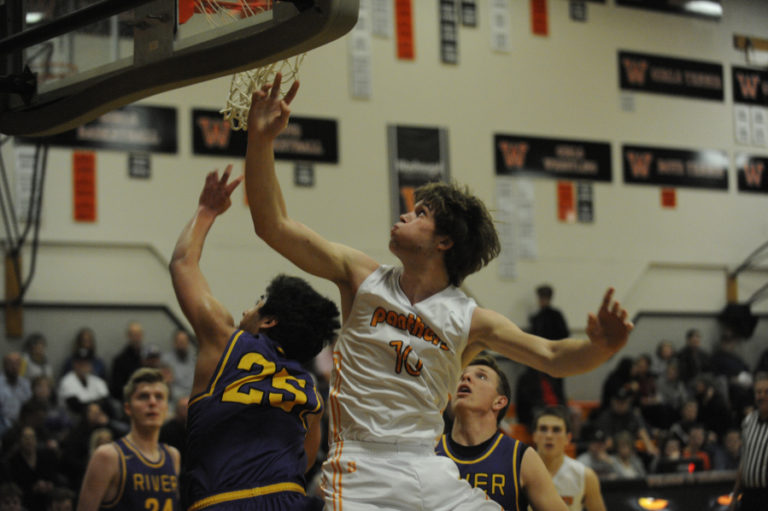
(144, 484)
(494, 469)
(245, 433)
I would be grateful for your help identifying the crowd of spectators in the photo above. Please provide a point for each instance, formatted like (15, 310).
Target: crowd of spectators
(663, 412)
(670, 411)
(54, 415)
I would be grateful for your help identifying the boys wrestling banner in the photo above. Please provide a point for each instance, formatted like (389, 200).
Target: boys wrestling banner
(676, 77)
(417, 155)
(552, 157)
(675, 167)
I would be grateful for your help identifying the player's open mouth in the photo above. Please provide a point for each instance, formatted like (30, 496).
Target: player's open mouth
(463, 390)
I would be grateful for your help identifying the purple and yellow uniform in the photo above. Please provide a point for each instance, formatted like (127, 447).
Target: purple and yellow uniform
(493, 466)
(144, 484)
(245, 433)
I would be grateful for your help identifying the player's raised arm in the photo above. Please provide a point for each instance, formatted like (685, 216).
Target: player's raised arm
(608, 332)
(268, 116)
(208, 317)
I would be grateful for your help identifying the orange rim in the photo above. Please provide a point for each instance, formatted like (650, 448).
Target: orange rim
(189, 7)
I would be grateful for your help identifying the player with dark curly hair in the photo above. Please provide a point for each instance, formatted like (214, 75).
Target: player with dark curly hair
(253, 427)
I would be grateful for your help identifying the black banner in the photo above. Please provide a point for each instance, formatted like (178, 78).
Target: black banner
(752, 173)
(676, 77)
(304, 139)
(135, 128)
(750, 86)
(711, 9)
(417, 155)
(552, 157)
(675, 167)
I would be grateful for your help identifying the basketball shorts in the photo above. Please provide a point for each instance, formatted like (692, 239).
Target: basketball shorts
(364, 476)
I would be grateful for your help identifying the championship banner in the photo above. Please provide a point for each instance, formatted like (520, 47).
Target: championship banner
(750, 86)
(752, 173)
(675, 167)
(675, 77)
(417, 155)
(304, 139)
(130, 128)
(552, 157)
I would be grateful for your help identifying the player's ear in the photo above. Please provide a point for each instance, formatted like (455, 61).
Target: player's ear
(444, 243)
(267, 322)
(499, 403)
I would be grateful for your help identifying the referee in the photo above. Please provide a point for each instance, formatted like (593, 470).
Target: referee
(752, 478)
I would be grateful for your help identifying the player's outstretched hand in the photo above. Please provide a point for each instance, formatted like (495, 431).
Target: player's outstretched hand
(610, 328)
(217, 191)
(269, 112)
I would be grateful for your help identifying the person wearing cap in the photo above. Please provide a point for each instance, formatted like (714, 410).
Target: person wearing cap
(80, 386)
(596, 456)
(622, 415)
(576, 483)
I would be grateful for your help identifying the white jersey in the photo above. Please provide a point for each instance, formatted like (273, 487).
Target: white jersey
(395, 364)
(569, 482)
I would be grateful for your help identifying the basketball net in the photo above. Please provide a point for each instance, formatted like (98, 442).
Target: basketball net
(245, 83)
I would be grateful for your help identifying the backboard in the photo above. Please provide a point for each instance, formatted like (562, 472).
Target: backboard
(66, 62)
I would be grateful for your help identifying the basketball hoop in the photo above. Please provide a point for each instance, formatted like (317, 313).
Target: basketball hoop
(245, 83)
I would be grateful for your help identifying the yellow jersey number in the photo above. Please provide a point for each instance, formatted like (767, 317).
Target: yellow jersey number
(282, 381)
(152, 504)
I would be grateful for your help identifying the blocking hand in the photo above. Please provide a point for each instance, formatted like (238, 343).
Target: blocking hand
(216, 192)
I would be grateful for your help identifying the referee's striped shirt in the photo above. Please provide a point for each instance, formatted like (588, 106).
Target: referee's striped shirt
(754, 467)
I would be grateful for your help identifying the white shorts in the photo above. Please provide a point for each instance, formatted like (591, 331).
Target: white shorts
(362, 476)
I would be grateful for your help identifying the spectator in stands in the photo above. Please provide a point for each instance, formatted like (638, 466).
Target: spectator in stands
(80, 386)
(34, 360)
(714, 411)
(626, 463)
(128, 360)
(536, 390)
(62, 499)
(85, 338)
(99, 437)
(762, 363)
(623, 416)
(56, 420)
(689, 416)
(15, 390)
(673, 458)
(548, 322)
(664, 354)
(76, 445)
(10, 497)
(620, 378)
(729, 365)
(692, 359)
(695, 448)
(672, 394)
(181, 361)
(596, 456)
(174, 431)
(34, 469)
(647, 396)
(726, 456)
